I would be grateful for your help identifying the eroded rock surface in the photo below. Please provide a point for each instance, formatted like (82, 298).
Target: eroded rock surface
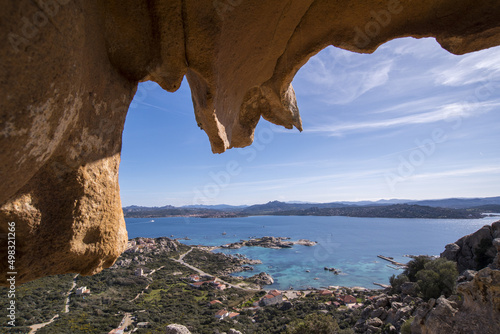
(479, 312)
(70, 68)
(478, 308)
(475, 251)
(177, 329)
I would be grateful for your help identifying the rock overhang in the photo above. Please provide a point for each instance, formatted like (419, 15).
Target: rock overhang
(70, 69)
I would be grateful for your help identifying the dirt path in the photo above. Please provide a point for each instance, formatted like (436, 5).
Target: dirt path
(151, 273)
(66, 307)
(36, 327)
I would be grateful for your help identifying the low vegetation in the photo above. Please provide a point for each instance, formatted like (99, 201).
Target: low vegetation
(433, 277)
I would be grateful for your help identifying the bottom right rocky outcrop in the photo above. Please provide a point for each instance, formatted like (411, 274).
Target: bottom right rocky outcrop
(476, 306)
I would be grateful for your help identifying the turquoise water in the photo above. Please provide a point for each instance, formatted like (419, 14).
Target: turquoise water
(346, 243)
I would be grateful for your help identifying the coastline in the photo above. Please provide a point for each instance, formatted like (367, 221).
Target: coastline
(242, 264)
(349, 244)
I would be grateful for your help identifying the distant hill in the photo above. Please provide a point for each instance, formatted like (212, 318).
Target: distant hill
(488, 208)
(387, 211)
(413, 210)
(460, 203)
(277, 206)
(223, 207)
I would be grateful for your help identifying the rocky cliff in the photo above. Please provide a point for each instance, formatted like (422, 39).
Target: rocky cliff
(474, 251)
(69, 71)
(477, 310)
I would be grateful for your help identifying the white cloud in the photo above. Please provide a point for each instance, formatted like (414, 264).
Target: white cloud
(449, 112)
(337, 76)
(477, 67)
(459, 172)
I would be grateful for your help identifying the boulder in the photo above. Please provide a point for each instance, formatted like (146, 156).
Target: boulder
(474, 251)
(367, 311)
(403, 313)
(382, 302)
(467, 275)
(262, 279)
(379, 313)
(451, 252)
(496, 244)
(375, 322)
(234, 331)
(176, 329)
(70, 69)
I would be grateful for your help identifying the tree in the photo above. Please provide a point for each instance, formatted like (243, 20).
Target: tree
(433, 277)
(415, 265)
(437, 278)
(397, 281)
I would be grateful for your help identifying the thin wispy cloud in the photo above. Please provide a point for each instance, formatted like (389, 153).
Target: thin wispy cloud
(286, 182)
(465, 172)
(448, 112)
(157, 107)
(473, 68)
(336, 78)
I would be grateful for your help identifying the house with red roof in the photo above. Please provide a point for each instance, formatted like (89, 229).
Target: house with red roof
(197, 284)
(272, 297)
(233, 315)
(349, 299)
(213, 302)
(221, 314)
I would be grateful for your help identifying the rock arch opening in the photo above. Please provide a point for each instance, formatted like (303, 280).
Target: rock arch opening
(70, 69)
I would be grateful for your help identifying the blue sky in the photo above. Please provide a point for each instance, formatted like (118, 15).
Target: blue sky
(409, 121)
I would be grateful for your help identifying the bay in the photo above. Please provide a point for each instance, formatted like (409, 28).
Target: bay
(347, 243)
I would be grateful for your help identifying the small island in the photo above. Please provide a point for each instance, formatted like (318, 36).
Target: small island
(269, 242)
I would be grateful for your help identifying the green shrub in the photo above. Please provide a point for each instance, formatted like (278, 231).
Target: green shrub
(433, 277)
(415, 265)
(437, 278)
(314, 324)
(396, 282)
(406, 327)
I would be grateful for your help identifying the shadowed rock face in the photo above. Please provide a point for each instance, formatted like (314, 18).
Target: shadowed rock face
(70, 68)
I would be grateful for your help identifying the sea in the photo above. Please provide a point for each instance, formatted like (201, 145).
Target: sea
(348, 244)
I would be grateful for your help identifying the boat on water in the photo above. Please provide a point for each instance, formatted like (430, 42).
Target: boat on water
(224, 233)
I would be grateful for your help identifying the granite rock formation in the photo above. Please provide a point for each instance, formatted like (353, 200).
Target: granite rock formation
(474, 251)
(69, 71)
(262, 279)
(478, 311)
(177, 329)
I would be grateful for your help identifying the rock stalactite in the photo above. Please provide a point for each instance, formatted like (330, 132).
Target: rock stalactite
(69, 70)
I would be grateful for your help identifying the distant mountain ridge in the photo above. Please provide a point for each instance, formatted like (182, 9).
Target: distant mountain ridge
(393, 208)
